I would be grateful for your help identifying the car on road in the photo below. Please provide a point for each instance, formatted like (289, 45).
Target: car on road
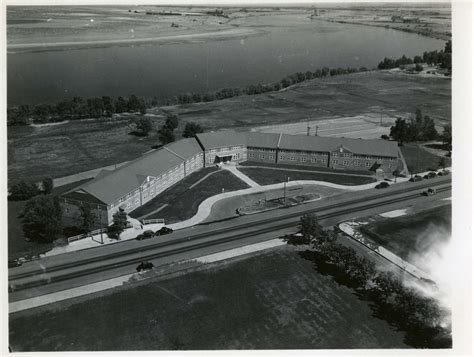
(163, 230)
(14, 263)
(430, 192)
(144, 266)
(382, 184)
(443, 172)
(415, 178)
(430, 175)
(145, 235)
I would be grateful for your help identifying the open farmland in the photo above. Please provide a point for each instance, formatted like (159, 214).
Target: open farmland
(274, 300)
(68, 148)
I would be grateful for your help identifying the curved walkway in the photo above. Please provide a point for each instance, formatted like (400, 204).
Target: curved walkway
(301, 170)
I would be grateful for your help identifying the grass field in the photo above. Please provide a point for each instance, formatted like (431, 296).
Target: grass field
(274, 300)
(73, 147)
(183, 201)
(265, 176)
(17, 245)
(306, 168)
(420, 160)
(412, 234)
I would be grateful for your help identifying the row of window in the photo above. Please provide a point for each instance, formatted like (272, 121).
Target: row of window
(260, 149)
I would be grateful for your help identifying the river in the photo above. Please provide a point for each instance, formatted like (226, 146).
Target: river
(164, 70)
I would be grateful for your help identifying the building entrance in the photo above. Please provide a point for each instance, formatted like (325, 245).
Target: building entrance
(220, 159)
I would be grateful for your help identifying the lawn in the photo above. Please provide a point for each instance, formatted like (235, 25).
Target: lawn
(420, 160)
(306, 168)
(414, 234)
(183, 202)
(275, 300)
(17, 245)
(265, 176)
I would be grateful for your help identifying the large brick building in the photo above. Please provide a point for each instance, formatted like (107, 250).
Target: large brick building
(139, 181)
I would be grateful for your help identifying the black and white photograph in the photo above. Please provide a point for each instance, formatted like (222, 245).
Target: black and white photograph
(237, 175)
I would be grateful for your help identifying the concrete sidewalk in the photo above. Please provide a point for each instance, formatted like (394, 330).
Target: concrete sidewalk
(240, 175)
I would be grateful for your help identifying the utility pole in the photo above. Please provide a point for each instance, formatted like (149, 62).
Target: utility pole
(100, 225)
(284, 191)
(317, 130)
(308, 128)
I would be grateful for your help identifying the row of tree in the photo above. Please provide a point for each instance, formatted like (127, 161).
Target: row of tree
(252, 89)
(441, 58)
(73, 109)
(422, 128)
(99, 107)
(23, 190)
(420, 317)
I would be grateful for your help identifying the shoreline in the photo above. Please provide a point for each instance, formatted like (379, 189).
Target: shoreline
(167, 39)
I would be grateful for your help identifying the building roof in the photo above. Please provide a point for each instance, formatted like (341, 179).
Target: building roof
(263, 140)
(185, 148)
(109, 187)
(221, 139)
(328, 144)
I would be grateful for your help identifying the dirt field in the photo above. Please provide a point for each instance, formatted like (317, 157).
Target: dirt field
(432, 20)
(274, 300)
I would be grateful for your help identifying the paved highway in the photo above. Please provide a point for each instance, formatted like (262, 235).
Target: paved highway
(72, 269)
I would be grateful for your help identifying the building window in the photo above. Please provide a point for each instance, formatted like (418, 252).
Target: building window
(334, 154)
(334, 161)
(313, 160)
(282, 157)
(389, 166)
(237, 156)
(137, 201)
(347, 155)
(271, 157)
(367, 164)
(303, 159)
(251, 156)
(261, 156)
(357, 163)
(345, 162)
(292, 158)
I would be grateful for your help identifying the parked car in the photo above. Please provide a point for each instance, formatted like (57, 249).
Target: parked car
(148, 234)
(382, 184)
(430, 192)
(144, 266)
(140, 237)
(163, 230)
(14, 263)
(415, 178)
(430, 175)
(444, 172)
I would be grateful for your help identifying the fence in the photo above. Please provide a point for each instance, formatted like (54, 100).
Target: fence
(85, 235)
(152, 221)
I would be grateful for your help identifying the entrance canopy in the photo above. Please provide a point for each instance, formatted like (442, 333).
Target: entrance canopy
(225, 158)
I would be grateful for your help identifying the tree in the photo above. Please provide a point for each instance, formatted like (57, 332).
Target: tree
(312, 231)
(41, 219)
(121, 105)
(23, 191)
(418, 67)
(119, 224)
(172, 121)
(133, 104)
(428, 131)
(88, 218)
(447, 134)
(191, 129)
(142, 125)
(166, 135)
(442, 163)
(417, 59)
(399, 131)
(48, 185)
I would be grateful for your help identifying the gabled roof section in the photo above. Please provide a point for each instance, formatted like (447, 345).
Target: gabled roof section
(262, 140)
(185, 148)
(221, 139)
(329, 144)
(108, 188)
